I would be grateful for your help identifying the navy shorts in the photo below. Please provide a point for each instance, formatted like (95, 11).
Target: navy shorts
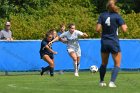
(110, 47)
(50, 55)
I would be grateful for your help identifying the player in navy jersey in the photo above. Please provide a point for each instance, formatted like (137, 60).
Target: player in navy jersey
(46, 53)
(109, 22)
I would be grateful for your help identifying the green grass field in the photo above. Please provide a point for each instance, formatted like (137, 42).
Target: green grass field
(127, 82)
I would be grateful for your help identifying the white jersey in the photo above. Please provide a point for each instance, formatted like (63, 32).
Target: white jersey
(72, 39)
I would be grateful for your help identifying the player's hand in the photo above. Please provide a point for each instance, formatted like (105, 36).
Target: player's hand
(54, 52)
(9, 39)
(50, 43)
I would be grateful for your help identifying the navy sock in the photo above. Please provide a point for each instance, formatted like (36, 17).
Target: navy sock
(114, 73)
(51, 71)
(102, 72)
(46, 68)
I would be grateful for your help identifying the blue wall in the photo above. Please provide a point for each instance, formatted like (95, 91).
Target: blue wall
(24, 55)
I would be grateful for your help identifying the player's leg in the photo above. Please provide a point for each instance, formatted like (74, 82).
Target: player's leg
(78, 53)
(117, 60)
(52, 69)
(78, 63)
(74, 57)
(103, 66)
(50, 61)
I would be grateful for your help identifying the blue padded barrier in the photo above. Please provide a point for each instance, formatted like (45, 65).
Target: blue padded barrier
(23, 55)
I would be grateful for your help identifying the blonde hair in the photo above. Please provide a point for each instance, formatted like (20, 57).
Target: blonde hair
(111, 7)
(62, 25)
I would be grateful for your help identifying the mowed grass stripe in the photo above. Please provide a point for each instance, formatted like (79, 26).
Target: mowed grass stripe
(68, 83)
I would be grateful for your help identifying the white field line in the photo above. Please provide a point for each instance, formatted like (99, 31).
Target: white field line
(21, 87)
(12, 85)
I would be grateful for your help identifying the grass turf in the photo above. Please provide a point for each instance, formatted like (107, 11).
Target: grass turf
(68, 83)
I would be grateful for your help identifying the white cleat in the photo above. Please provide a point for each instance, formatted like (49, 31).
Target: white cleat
(102, 84)
(76, 74)
(112, 85)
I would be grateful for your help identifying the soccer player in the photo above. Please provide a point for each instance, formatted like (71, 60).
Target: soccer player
(73, 47)
(109, 22)
(53, 32)
(46, 53)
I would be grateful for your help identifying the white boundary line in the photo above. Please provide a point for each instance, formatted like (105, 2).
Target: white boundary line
(12, 85)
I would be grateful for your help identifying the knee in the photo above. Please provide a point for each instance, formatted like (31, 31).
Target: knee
(75, 59)
(52, 64)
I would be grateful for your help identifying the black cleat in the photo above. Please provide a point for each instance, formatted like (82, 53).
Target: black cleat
(51, 75)
(42, 71)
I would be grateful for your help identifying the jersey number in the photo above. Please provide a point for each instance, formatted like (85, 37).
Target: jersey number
(107, 21)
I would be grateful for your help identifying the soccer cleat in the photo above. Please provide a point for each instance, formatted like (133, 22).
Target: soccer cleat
(102, 84)
(112, 84)
(76, 74)
(42, 71)
(51, 74)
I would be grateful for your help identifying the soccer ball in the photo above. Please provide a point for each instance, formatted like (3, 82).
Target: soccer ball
(93, 68)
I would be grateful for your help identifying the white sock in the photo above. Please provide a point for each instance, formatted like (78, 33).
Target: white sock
(75, 67)
(78, 66)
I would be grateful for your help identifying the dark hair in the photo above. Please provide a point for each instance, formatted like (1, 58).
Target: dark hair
(48, 34)
(111, 7)
(70, 25)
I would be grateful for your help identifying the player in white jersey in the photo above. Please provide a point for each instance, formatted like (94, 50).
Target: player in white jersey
(72, 44)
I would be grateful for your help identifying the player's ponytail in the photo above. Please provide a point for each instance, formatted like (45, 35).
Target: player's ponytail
(111, 7)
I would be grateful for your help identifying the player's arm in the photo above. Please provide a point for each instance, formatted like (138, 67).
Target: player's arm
(124, 27)
(55, 39)
(99, 28)
(85, 35)
(63, 40)
(99, 25)
(60, 38)
(1, 36)
(122, 23)
(48, 48)
(81, 34)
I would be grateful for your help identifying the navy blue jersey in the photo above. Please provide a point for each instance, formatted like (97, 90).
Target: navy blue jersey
(110, 22)
(44, 50)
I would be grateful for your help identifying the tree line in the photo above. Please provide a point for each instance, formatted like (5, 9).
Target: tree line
(32, 18)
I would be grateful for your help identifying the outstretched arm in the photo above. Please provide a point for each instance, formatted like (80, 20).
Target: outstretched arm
(55, 39)
(85, 35)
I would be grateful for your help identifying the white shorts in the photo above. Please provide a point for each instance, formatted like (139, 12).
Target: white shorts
(75, 50)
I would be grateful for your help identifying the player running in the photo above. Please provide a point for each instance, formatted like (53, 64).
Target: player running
(109, 22)
(73, 47)
(46, 53)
